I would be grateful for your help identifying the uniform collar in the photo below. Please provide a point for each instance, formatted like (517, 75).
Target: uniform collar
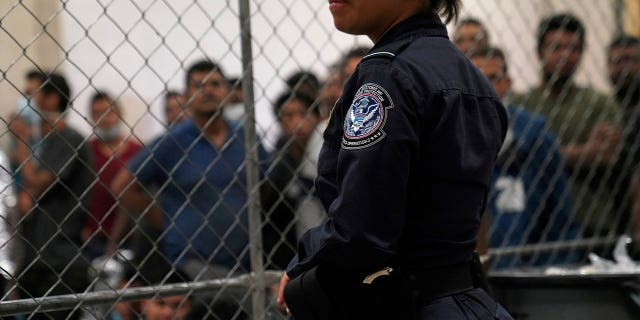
(418, 25)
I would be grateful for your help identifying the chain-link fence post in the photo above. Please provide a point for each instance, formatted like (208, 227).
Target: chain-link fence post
(255, 224)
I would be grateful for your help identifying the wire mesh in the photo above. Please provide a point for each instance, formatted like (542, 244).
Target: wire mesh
(132, 181)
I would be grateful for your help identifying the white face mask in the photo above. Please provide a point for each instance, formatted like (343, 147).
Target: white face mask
(110, 134)
(26, 109)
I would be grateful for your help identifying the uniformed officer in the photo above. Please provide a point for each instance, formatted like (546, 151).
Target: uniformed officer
(403, 174)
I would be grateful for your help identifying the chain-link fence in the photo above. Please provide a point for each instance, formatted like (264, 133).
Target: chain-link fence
(159, 155)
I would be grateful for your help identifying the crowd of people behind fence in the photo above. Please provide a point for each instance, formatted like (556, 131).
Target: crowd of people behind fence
(568, 171)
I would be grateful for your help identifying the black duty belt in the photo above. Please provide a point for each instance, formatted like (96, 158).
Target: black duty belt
(323, 294)
(430, 283)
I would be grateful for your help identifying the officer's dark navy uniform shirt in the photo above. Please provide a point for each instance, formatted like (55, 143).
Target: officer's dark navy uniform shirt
(407, 157)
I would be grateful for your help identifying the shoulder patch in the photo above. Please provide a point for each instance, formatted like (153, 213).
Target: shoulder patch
(365, 119)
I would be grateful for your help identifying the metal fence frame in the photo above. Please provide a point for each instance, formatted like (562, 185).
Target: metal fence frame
(259, 278)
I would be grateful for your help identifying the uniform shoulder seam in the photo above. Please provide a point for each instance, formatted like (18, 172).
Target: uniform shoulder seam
(381, 53)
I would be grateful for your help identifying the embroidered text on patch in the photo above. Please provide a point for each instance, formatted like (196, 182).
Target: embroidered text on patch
(364, 122)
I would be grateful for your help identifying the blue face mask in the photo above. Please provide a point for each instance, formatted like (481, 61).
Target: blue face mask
(26, 109)
(110, 134)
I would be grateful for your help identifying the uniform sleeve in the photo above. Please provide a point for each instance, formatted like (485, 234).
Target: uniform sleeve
(379, 146)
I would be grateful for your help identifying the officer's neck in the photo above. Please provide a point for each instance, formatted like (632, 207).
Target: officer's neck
(377, 34)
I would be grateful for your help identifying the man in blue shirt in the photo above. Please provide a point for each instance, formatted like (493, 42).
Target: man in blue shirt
(530, 202)
(198, 170)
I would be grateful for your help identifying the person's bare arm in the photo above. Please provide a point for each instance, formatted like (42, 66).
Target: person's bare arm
(134, 198)
(601, 148)
(36, 182)
(118, 230)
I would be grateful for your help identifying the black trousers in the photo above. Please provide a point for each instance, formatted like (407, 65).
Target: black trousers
(38, 280)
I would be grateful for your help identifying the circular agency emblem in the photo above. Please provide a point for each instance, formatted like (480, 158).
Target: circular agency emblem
(366, 117)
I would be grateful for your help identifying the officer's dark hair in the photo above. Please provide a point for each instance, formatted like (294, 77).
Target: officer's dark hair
(624, 41)
(490, 53)
(562, 22)
(308, 102)
(57, 84)
(449, 9)
(301, 78)
(36, 75)
(203, 66)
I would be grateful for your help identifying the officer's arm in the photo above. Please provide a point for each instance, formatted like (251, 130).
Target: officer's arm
(367, 218)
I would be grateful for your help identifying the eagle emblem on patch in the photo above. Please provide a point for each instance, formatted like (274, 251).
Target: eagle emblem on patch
(365, 119)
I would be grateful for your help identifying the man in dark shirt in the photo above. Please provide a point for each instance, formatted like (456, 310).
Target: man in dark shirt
(624, 73)
(57, 175)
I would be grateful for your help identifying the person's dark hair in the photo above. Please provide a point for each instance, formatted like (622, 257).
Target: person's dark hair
(489, 53)
(449, 9)
(470, 20)
(101, 95)
(133, 273)
(624, 41)
(303, 77)
(56, 84)
(562, 22)
(476, 22)
(307, 101)
(171, 94)
(203, 66)
(235, 83)
(357, 52)
(36, 75)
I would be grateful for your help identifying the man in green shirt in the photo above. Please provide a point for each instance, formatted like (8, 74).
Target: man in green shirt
(585, 121)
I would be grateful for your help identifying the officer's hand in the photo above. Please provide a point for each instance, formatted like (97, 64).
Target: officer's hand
(281, 303)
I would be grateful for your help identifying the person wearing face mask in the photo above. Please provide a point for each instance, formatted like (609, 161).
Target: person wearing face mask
(57, 175)
(26, 107)
(26, 122)
(112, 148)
